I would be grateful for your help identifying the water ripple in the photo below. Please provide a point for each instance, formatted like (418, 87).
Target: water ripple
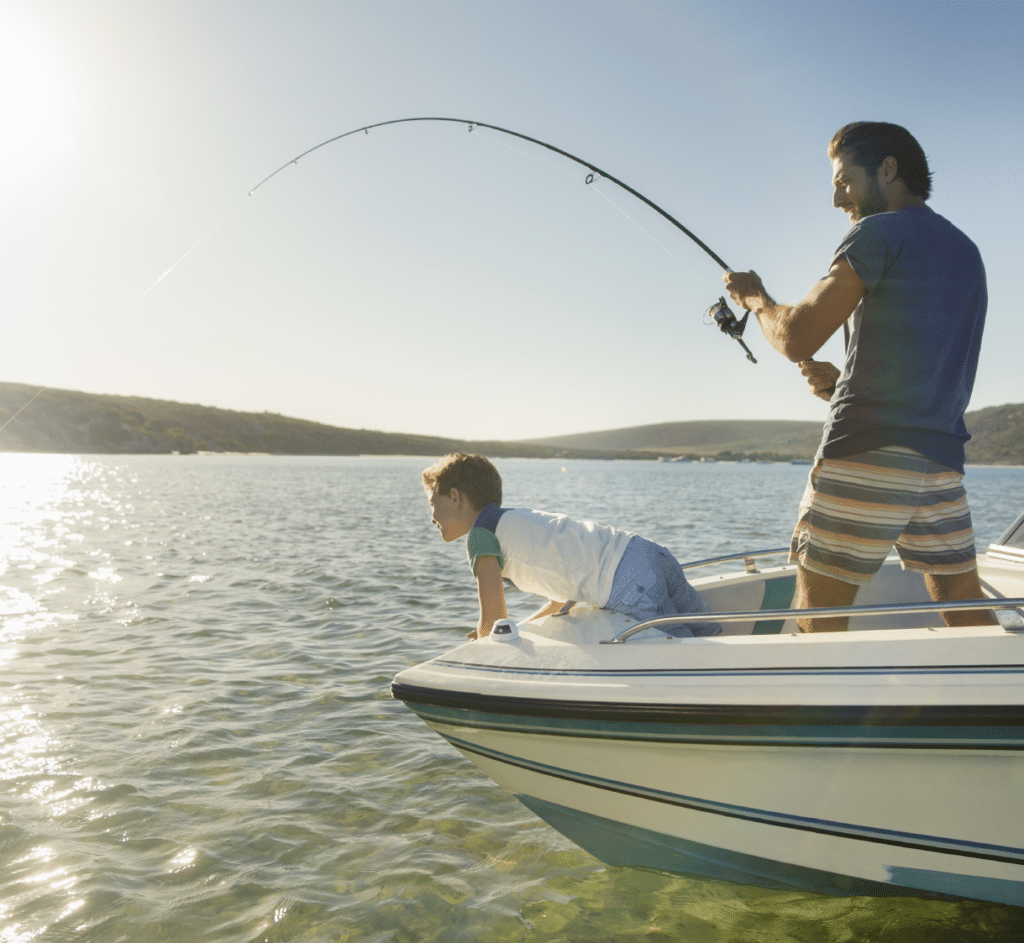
(197, 740)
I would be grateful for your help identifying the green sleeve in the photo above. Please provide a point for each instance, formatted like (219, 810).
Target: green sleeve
(482, 543)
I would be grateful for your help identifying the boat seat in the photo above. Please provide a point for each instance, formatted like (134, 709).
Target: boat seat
(778, 594)
(747, 592)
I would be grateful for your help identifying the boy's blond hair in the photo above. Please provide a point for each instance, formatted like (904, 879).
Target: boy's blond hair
(473, 475)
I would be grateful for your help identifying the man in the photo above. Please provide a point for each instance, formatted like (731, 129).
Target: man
(889, 468)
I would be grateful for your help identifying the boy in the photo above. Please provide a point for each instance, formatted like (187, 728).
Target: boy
(552, 555)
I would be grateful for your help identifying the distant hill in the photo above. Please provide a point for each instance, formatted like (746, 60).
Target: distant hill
(997, 437)
(747, 437)
(67, 421)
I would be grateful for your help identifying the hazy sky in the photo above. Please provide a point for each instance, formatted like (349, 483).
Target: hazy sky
(425, 279)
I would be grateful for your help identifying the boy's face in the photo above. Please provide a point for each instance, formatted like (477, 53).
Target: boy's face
(453, 514)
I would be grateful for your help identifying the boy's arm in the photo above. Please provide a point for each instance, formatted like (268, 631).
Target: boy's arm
(492, 595)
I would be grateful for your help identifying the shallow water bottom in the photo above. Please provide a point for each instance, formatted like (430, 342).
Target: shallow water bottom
(197, 740)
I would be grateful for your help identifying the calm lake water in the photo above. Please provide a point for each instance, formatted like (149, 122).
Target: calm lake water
(197, 741)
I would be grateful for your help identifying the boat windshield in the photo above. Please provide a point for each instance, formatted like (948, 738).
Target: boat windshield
(1014, 536)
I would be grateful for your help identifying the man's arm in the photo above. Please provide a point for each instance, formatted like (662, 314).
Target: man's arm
(799, 331)
(491, 591)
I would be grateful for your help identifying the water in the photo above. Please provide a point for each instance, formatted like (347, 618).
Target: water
(197, 740)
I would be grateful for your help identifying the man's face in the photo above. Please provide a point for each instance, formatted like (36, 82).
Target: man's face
(856, 192)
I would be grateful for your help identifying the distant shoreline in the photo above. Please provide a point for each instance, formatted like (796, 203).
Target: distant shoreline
(68, 422)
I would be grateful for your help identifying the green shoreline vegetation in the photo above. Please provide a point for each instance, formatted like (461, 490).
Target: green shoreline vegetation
(65, 421)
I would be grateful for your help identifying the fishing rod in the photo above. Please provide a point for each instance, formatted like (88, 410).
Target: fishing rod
(719, 311)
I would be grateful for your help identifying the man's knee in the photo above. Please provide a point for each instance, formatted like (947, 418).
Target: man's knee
(816, 591)
(951, 587)
(946, 587)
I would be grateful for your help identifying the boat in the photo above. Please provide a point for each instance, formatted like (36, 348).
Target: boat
(887, 760)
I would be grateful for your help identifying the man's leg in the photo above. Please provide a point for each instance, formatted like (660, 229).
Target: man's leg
(815, 591)
(850, 516)
(940, 535)
(950, 587)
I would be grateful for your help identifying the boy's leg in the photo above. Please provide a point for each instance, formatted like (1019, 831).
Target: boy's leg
(649, 584)
(685, 598)
(639, 590)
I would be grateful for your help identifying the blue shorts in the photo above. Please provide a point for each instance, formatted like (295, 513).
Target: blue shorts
(649, 584)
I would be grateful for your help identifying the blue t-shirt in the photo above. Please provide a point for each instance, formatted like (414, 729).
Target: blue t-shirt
(915, 338)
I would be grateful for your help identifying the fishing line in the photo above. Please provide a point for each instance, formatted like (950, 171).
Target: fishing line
(187, 253)
(721, 315)
(118, 317)
(720, 312)
(26, 406)
(595, 171)
(599, 191)
(533, 157)
(544, 163)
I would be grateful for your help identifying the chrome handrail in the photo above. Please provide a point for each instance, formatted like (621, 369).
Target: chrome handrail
(760, 614)
(747, 558)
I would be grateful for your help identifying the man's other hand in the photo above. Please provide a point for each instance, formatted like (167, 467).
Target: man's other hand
(821, 377)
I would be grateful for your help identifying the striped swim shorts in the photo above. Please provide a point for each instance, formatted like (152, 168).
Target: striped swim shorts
(857, 508)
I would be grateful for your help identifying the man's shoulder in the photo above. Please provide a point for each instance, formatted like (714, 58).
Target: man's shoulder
(896, 222)
(911, 222)
(915, 225)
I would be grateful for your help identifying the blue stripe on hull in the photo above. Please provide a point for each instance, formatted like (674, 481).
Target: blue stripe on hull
(767, 734)
(1005, 854)
(961, 885)
(915, 671)
(623, 845)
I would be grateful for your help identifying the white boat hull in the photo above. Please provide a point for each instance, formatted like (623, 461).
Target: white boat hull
(776, 817)
(886, 762)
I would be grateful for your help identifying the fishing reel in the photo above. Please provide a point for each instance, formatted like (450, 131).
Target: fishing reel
(722, 315)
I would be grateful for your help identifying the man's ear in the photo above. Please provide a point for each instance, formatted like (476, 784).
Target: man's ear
(890, 169)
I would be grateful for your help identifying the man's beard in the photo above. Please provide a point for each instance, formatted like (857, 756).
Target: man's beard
(872, 203)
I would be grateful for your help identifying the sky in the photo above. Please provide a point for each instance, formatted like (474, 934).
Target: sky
(426, 279)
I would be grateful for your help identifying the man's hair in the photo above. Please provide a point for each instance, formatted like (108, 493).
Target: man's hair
(871, 142)
(473, 475)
